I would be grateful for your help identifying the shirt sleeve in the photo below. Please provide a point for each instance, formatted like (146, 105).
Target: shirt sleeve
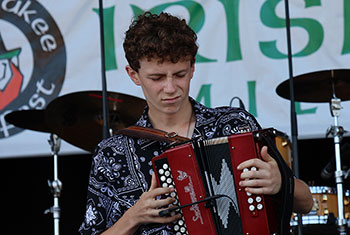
(103, 205)
(93, 220)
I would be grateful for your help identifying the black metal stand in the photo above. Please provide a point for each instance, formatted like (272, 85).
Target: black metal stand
(105, 130)
(293, 116)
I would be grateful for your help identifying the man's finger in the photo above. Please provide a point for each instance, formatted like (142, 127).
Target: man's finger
(264, 154)
(154, 182)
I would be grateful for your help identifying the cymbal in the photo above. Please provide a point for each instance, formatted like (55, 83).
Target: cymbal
(78, 117)
(29, 119)
(318, 86)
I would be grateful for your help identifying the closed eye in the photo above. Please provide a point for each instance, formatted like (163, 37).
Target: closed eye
(180, 75)
(155, 78)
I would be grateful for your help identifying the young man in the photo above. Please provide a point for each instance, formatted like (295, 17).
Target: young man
(123, 197)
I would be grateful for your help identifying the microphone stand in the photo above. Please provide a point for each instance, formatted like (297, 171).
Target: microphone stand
(293, 115)
(105, 130)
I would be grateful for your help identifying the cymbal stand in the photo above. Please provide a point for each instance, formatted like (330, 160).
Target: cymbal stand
(337, 133)
(56, 184)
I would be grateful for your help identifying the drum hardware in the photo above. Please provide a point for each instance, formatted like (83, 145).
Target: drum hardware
(316, 205)
(283, 145)
(77, 119)
(317, 86)
(35, 120)
(32, 119)
(325, 208)
(56, 184)
(346, 174)
(337, 135)
(325, 86)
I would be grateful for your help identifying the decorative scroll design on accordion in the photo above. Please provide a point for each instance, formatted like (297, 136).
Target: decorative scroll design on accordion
(202, 169)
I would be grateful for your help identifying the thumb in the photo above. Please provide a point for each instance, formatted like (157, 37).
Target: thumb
(154, 182)
(264, 154)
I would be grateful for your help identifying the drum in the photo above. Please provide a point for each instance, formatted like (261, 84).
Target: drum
(284, 147)
(325, 208)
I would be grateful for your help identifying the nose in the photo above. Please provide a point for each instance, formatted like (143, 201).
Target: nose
(169, 86)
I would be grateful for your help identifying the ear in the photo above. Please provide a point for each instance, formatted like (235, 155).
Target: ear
(134, 76)
(192, 70)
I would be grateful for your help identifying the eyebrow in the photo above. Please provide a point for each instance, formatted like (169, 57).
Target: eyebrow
(161, 74)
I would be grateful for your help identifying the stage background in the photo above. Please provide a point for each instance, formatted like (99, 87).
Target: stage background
(242, 52)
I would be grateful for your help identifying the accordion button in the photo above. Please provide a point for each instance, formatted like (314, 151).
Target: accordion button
(176, 227)
(169, 180)
(258, 199)
(161, 171)
(172, 194)
(165, 166)
(182, 229)
(251, 207)
(162, 178)
(245, 169)
(249, 194)
(253, 168)
(181, 222)
(250, 200)
(259, 206)
(165, 185)
(167, 173)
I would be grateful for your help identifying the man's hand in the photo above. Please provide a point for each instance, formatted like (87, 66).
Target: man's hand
(266, 179)
(145, 211)
(147, 208)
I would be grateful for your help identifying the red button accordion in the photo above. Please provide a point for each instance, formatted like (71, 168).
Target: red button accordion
(202, 169)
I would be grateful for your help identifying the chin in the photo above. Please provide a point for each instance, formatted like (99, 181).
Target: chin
(171, 110)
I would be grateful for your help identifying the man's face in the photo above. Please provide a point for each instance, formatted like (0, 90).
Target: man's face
(165, 85)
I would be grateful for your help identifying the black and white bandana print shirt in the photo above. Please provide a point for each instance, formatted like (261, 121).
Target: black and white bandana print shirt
(121, 168)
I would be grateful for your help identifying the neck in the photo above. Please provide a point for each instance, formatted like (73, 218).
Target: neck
(181, 122)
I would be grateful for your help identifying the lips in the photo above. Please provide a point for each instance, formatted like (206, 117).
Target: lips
(170, 100)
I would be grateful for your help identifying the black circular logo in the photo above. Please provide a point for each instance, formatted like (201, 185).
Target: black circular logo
(32, 59)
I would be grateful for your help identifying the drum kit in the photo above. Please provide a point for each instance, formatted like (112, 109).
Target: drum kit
(77, 118)
(328, 86)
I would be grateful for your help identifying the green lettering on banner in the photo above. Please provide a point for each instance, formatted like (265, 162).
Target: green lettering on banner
(204, 94)
(300, 111)
(313, 28)
(196, 21)
(346, 45)
(108, 30)
(232, 24)
(252, 98)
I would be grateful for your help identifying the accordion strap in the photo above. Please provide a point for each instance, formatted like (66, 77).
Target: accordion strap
(152, 134)
(287, 189)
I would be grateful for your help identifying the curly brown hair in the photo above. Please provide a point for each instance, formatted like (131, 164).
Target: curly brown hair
(162, 36)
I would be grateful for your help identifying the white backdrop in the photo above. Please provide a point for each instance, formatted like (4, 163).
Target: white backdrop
(251, 73)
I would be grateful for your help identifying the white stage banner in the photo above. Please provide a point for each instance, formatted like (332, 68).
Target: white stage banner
(50, 49)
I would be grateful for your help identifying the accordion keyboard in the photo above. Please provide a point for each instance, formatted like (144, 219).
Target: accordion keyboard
(166, 180)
